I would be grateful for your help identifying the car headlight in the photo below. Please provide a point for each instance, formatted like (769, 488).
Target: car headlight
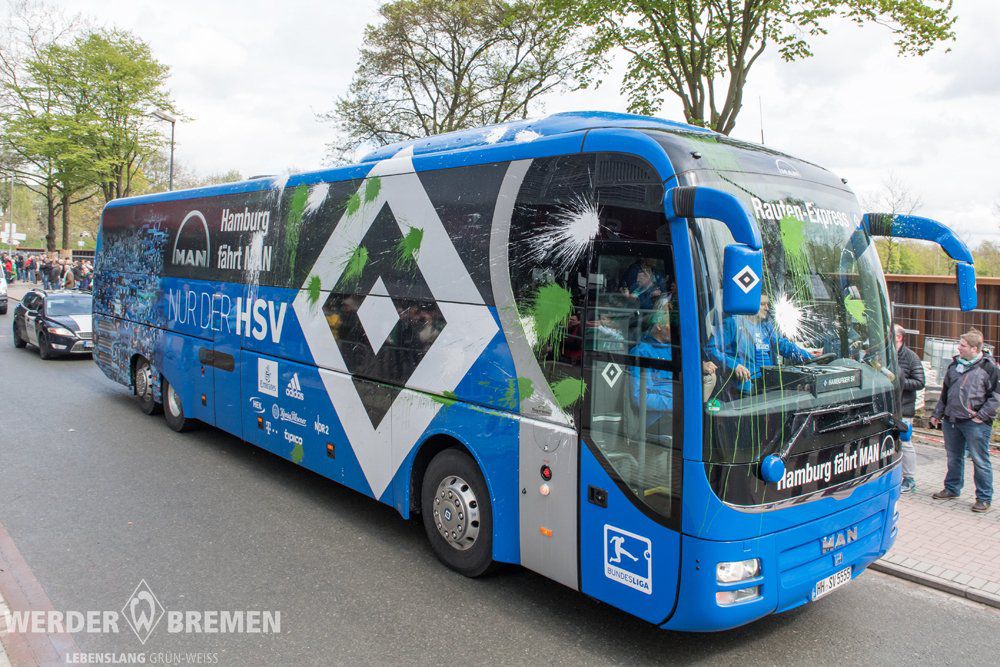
(59, 331)
(739, 570)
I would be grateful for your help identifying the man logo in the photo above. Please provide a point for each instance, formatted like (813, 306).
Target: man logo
(294, 389)
(192, 248)
(786, 168)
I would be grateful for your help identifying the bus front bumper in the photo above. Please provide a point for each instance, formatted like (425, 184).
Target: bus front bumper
(796, 566)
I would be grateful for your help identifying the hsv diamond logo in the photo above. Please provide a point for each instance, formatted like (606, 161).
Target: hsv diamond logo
(611, 373)
(747, 279)
(417, 315)
(142, 611)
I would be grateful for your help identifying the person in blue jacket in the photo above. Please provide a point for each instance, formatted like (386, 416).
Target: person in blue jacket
(750, 343)
(659, 389)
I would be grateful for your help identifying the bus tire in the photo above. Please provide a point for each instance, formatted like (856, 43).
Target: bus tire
(142, 386)
(173, 409)
(455, 502)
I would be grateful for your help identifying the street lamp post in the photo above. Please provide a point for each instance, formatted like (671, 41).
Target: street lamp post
(163, 115)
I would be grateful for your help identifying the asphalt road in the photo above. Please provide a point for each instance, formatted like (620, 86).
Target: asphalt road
(98, 496)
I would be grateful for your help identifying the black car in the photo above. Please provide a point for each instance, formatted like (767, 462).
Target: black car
(58, 322)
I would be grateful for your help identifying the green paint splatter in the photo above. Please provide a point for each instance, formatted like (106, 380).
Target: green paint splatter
(294, 223)
(549, 314)
(518, 390)
(314, 289)
(568, 391)
(446, 398)
(353, 203)
(372, 187)
(856, 309)
(793, 239)
(408, 247)
(297, 453)
(355, 265)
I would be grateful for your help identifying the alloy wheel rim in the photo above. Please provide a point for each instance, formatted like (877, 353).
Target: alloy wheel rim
(456, 512)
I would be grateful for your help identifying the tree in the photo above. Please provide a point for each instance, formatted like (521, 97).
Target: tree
(112, 82)
(28, 103)
(433, 66)
(897, 198)
(702, 51)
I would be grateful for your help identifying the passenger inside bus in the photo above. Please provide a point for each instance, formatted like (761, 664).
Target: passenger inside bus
(750, 343)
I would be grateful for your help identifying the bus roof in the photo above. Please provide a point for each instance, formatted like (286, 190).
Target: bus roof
(514, 133)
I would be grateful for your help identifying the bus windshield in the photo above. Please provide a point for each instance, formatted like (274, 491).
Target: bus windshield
(821, 339)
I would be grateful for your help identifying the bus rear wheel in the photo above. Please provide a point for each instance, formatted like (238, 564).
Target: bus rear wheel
(457, 513)
(173, 409)
(142, 382)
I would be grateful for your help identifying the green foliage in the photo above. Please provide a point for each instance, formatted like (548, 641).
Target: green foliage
(433, 66)
(702, 50)
(111, 82)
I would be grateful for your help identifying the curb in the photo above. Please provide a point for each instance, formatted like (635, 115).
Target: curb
(938, 583)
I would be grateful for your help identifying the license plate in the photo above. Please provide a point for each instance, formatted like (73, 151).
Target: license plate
(87, 345)
(831, 583)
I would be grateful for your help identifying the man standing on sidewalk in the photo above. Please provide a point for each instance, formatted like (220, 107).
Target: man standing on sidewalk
(966, 410)
(911, 378)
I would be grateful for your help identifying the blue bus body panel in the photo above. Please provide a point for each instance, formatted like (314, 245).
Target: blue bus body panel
(626, 559)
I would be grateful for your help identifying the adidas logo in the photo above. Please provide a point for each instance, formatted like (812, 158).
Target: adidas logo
(294, 389)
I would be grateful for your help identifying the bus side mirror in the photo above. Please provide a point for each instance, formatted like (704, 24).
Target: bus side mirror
(743, 261)
(925, 229)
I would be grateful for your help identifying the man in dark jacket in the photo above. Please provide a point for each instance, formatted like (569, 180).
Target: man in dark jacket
(966, 410)
(911, 379)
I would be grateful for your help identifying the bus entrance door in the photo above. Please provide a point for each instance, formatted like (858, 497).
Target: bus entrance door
(629, 465)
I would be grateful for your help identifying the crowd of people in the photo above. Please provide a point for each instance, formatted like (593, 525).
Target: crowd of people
(49, 272)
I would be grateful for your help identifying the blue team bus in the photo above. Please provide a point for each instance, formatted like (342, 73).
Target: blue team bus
(643, 359)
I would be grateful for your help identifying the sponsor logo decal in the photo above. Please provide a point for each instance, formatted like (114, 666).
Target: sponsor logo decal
(628, 559)
(267, 377)
(839, 539)
(284, 415)
(257, 405)
(192, 248)
(320, 427)
(292, 438)
(786, 168)
(294, 388)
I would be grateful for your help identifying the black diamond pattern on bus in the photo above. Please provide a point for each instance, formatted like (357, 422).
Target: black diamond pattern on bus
(420, 320)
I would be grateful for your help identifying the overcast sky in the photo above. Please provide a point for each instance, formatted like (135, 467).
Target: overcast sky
(252, 75)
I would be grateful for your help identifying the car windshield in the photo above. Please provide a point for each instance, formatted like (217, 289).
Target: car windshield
(821, 337)
(68, 304)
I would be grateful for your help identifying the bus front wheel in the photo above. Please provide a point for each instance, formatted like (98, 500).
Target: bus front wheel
(457, 513)
(173, 409)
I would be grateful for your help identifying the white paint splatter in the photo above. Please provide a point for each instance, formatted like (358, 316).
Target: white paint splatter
(799, 322)
(573, 227)
(524, 136)
(787, 316)
(528, 326)
(495, 135)
(254, 264)
(317, 195)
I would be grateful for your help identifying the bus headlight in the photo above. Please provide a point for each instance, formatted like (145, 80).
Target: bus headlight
(738, 570)
(723, 598)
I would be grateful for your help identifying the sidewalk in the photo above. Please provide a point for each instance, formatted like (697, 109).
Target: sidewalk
(942, 543)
